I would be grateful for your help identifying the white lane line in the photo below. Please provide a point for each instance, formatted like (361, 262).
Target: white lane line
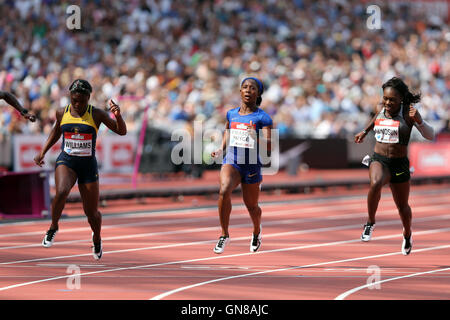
(344, 295)
(184, 220)
(189, 211)
(168, 293)
(268, 211)
(272, 235)
(241, 255)
(288, 233)
(314, 202)
(204, 229)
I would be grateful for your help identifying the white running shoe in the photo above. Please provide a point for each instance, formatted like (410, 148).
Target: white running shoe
(407, 245)
(255, 243)
(97, 249)
(367, 233)
(49, 238)
(220, 246)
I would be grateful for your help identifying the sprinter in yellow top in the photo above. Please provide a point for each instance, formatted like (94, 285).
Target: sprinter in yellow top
(78, 124)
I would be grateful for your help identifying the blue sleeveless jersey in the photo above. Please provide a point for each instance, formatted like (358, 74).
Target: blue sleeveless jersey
(242, 149)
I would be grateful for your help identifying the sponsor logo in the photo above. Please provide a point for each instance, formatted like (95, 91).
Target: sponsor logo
(242, 126)
(77, 136)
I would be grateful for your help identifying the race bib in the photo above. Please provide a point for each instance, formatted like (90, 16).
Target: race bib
(240, 137)
(78, 144)
(386, 130)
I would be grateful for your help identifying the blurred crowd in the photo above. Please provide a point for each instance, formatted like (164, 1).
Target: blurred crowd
(182, 61)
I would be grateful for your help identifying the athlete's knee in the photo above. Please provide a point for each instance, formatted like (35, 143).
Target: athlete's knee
(61, 194)
(93, 216)
(376, 183)
(404, 210)
(253, 208)
(225, 190)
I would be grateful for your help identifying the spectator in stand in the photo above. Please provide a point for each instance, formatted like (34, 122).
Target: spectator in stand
(318, 56)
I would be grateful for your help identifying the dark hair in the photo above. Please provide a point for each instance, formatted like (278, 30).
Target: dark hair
(408, 97)
(260, 88)
(82, 86)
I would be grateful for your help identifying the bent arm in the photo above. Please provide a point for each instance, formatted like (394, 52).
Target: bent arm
(372, 121)
(226, 137)
(360, 136)
(12, 100)
(425, 130)
(223, 148)
(266, 138)
(116, 125)
(53, 137)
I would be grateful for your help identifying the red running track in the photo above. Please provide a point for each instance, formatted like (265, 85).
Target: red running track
(310, 250)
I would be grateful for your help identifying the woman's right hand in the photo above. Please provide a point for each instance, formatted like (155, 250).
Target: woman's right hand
(216, 153)
(39, 159)
(360, 137)
(30, 117)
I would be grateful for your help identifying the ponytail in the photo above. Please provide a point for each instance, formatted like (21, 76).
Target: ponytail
(412, 98)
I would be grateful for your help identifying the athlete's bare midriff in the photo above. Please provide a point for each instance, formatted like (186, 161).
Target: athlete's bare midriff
(391, 150)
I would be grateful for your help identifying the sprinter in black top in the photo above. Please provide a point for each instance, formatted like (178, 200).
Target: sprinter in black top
(392, 125)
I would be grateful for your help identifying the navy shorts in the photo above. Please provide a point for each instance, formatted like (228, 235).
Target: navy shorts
(85, 167)
(250, 173)
(398, 167)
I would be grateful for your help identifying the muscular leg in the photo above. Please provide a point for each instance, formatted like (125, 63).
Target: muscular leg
(250, 193)
(379, 176)
(400, 192)
(229, 180)
(90, 196)
(65, 179)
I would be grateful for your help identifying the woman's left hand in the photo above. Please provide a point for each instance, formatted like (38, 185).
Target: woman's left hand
(415, 115)
(251, 130)
(114, 108)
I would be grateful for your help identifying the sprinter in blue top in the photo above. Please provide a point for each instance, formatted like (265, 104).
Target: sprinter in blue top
(78, 124)
(242, 164)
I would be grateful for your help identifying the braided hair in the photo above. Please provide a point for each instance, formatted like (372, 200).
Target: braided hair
(81, 86)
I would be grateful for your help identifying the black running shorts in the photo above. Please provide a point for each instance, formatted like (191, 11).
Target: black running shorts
(398, 167)
(85, 167)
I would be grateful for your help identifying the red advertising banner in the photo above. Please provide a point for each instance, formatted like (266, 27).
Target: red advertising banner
(114, 154)
(430, 158)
